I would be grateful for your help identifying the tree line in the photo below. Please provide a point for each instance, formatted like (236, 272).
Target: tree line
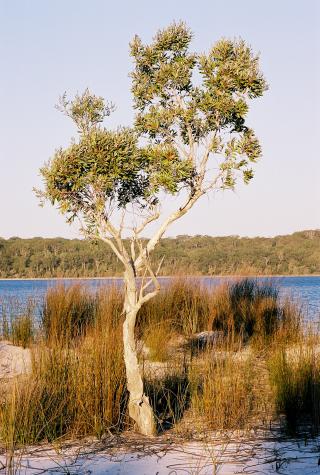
(298, 253)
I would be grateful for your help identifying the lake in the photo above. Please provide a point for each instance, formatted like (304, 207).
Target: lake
(303, 289)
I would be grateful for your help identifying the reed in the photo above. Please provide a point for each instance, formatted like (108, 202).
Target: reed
(71, 393)
(253, 309)
(78, 387)
(169, 395)
(230, 389)
(183, 304)
(295, 374)
(156, 340)
(22, 332)
(67, 313)
(17, 322)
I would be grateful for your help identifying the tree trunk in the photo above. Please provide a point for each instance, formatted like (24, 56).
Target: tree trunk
(139, 408)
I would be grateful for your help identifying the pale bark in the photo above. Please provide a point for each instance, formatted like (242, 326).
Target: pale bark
(154, 240)
(139, 407)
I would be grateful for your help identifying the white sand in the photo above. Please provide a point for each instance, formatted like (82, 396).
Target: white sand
(14, 360)
(257, 454)
(252, 456)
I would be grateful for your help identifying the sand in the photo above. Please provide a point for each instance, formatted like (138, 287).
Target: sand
(251, 455)
(14, 360)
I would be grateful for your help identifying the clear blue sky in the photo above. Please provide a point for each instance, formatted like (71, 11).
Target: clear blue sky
(48, 47)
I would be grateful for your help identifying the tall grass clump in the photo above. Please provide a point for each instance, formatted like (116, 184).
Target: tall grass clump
(179, 310)
(67, 312)
(228, 390)
(251, 308)
(18, 323)
(71, 393)
(156, 341)
(77, 386)
(22, 332)
(295, 375)
(182, 304)
(248, 307)
(169, 395)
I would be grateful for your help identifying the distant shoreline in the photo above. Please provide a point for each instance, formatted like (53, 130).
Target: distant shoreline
(288, 255)
(161, 277)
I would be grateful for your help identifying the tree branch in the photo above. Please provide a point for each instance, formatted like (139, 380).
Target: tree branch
(113, 247)
(162, 229)
(147, 221)
(153, 279)
(144, 298)
(119, 250)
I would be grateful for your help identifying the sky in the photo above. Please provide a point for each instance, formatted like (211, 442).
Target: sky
(48, 47)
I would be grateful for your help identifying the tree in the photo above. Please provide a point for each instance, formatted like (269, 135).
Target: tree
(188, 139)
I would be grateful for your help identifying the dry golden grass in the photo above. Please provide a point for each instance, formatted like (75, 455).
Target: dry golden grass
(295, 374)
(78, 386)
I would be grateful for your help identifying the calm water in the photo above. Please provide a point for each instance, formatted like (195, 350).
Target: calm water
(16, 293)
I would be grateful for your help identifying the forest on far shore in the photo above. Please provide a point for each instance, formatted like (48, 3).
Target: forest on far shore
(297, 253)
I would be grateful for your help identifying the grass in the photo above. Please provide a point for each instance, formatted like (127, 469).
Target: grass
(251, 308)
(22, 331)
(78, 386)
(67, 313)
(183, 306)
(295, 374)
(18, 329)
(72, 393)
(154, 337)
(230, 390)
(169, 396)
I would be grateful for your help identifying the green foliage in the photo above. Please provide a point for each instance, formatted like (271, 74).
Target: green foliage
(103, 168)
(108, 166)
(172, 105)
(86, 110)
(298, 253)
(102, 165)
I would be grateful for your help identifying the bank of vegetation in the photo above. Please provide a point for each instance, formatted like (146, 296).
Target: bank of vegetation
(233, 357)
(298, 253)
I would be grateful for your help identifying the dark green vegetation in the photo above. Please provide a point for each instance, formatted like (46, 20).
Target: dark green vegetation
(298, 253)
(251, 376)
